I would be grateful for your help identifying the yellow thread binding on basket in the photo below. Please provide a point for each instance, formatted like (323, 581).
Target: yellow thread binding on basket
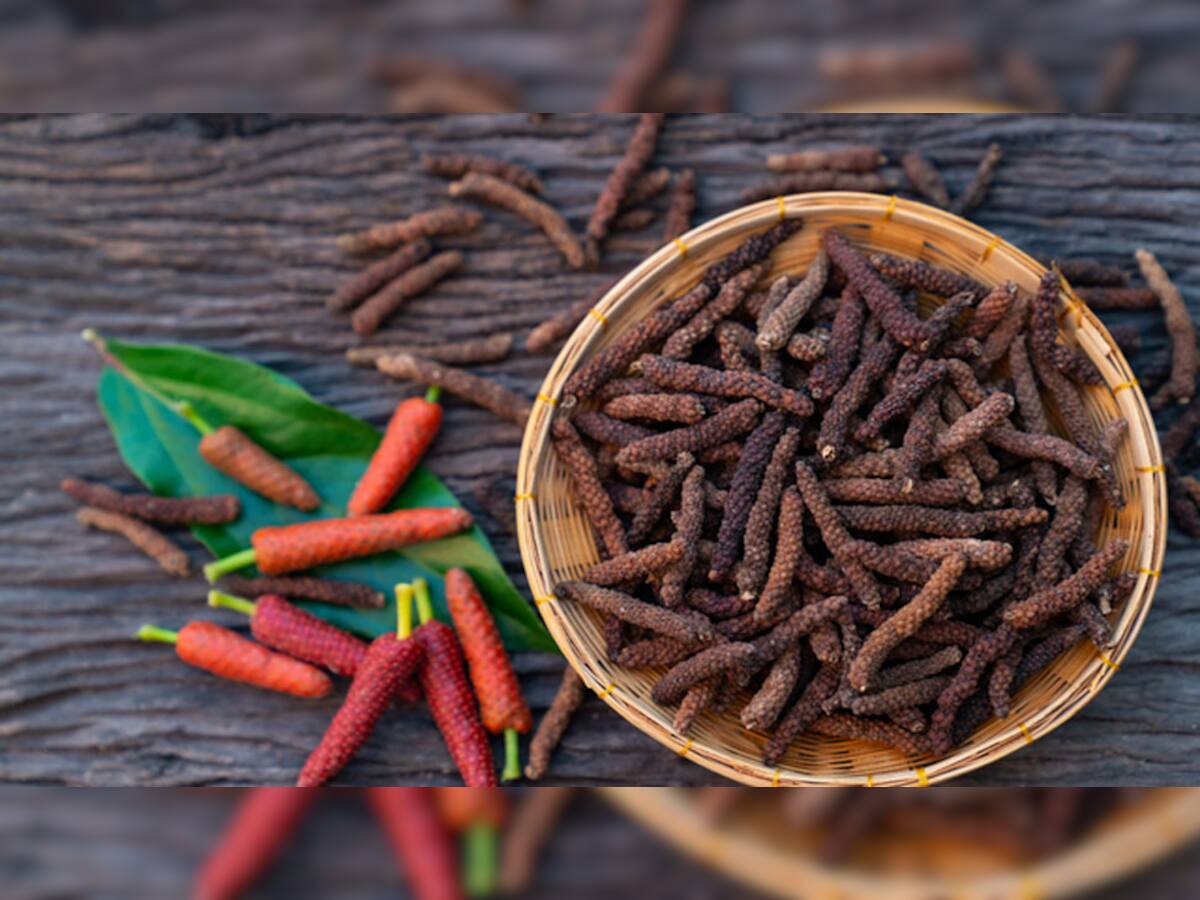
(608, 690)
(1153, 573)
(991, 245)
(775, 778)
(891, 208)
(922, 778)
(870, 780)
(1108, 662)
(521, 497)
(598, 316)
(1145, 469)
(1124, 386)
(681, 246)
(538, 601)
(1025, 731)
(782, 208)
(549, 401)
(1029, 889)
(687, 745)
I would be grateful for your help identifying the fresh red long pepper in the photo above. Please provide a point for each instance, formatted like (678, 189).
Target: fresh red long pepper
(412, 428)
(421, 844)
(502, 707)
(227, 654)
(264, 821)
(448, 692)
(291, 548)
(478, 815)
(391, 660)
(291, 630)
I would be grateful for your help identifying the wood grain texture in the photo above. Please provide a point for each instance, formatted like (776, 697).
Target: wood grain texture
(151, 228)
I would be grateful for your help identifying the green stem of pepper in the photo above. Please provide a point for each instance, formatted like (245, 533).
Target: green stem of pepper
(479, 860)
(512, 756)
(239, 560)
(154, 633)
(229, 601)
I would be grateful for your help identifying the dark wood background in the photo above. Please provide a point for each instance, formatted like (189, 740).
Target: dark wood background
(133, 844)
(216, 230)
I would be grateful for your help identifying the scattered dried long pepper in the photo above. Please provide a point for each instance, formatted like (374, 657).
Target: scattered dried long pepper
(156, 545)
(820, 180)
(484, 392)
(375, 276)
(326, 590)
(678, 218)
(456, 165)
(214, 510)
(977, 188)
(456, 353)
(554, 724)
(620, 181)
(378, 308)
(489, 189)
(925, 178)
(1181, 386)
(430, 223)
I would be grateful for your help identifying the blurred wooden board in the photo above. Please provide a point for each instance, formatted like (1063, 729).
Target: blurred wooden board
(217, 231)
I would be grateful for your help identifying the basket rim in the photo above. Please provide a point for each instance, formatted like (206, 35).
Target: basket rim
(871, 209)
(1170, 818)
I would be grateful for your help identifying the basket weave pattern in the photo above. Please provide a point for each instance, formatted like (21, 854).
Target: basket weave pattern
(557, 541)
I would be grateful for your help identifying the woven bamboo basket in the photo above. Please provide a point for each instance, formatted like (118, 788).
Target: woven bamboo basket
(557, 542)
(759, 850)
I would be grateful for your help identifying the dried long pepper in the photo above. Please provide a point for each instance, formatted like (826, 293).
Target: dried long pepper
(554, 724)
(760, 524)
(683, 376)
(389, 662)
(821, 180)
(326, 590)
(925, 178)
(545, 335)
(901, 323)
(743, 489)
(410, 431)
(380, 306)
(375, 276)
(1118, 298)
(689, 526)
(280, 549)
(851, 158)
(597, 505)
(729, 423)
(686, 626)
(680, 344)
(447, 690)
(1068, 593)
(651, 51)
(977, 188)
(263, 823)
(418, 840)
(489, 189)
(430, 223)
(648, 186)
(456, 165)
(218, 509)
(620, 181)
(778, 327)
(534, 820)
(470, 351)
(156, 545)
(916, 273)
(228, 655)
(678, 217)
(1181, 386)
(502, 706)
(658, 498)
(483, 392)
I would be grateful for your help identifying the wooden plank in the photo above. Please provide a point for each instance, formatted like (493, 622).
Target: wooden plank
(151, 228)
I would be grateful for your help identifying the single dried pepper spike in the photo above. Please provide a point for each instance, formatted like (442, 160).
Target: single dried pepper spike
(768, 703)
(729, 423)
(636, 565)
(682, 376)
(831, 373)
(1082, 271)
(718, 606)
(1074, 363)
(1088, 615)
(604, 429)
(885, 491)
(990, 647)
(777, 593)
(389, 662)
(502, 706)
(774, 333)
(805, 711)
(687, 409)
(897, 564)
(430, 223)
(614, 359)
(905, 623)
(917, 446)
(678, 218)
(620, 387)
(635, 219)
(973, 426)
(910, 719)
(811, 346)
(456, 165)
(851, 158)
(419, 841)
(414, 282)
(217, 509)
(375, 276)
(755, 248)
(991, 310)
(835, 536)
(698, 698)
(156, 545)
(902, 398)
(873, 464)
(228, 655)
(654, 651)
(1000, 682)
(1110, 298)
(457, 353)
(533, 825)
(670, 689)
(937, 522)
(687, 626)
(925, 178)
(1049, 602)
(1175, 440)
(977, 188)
(916, 669)
(1033, 413)
(596, 503)
(658, 499)
(410, 431)
(689, 526)
(1042, 654)
(736, 344)
(646, 60)
(489, 189)
(554, 724)
(938, 631)
(872, 731)
(756, 455)
(1064, 528)
(545, 335)
(831, 440)
(326, 590)
(902, 696)
(620, 180)
(980, 554)
(916, 273)
(281, 549)
(648, 186)
(289, 629)
(1181, 386)
(823, 180)
(262, 824)
(760, 524)
(480, 391)
(996, 344)
(680, 344)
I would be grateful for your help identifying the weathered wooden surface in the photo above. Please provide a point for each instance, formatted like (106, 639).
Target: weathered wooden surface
(134, 844)
(180, 229)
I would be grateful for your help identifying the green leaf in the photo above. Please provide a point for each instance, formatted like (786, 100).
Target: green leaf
(329, 448)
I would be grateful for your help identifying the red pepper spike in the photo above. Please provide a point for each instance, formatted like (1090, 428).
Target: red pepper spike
(448, 692)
